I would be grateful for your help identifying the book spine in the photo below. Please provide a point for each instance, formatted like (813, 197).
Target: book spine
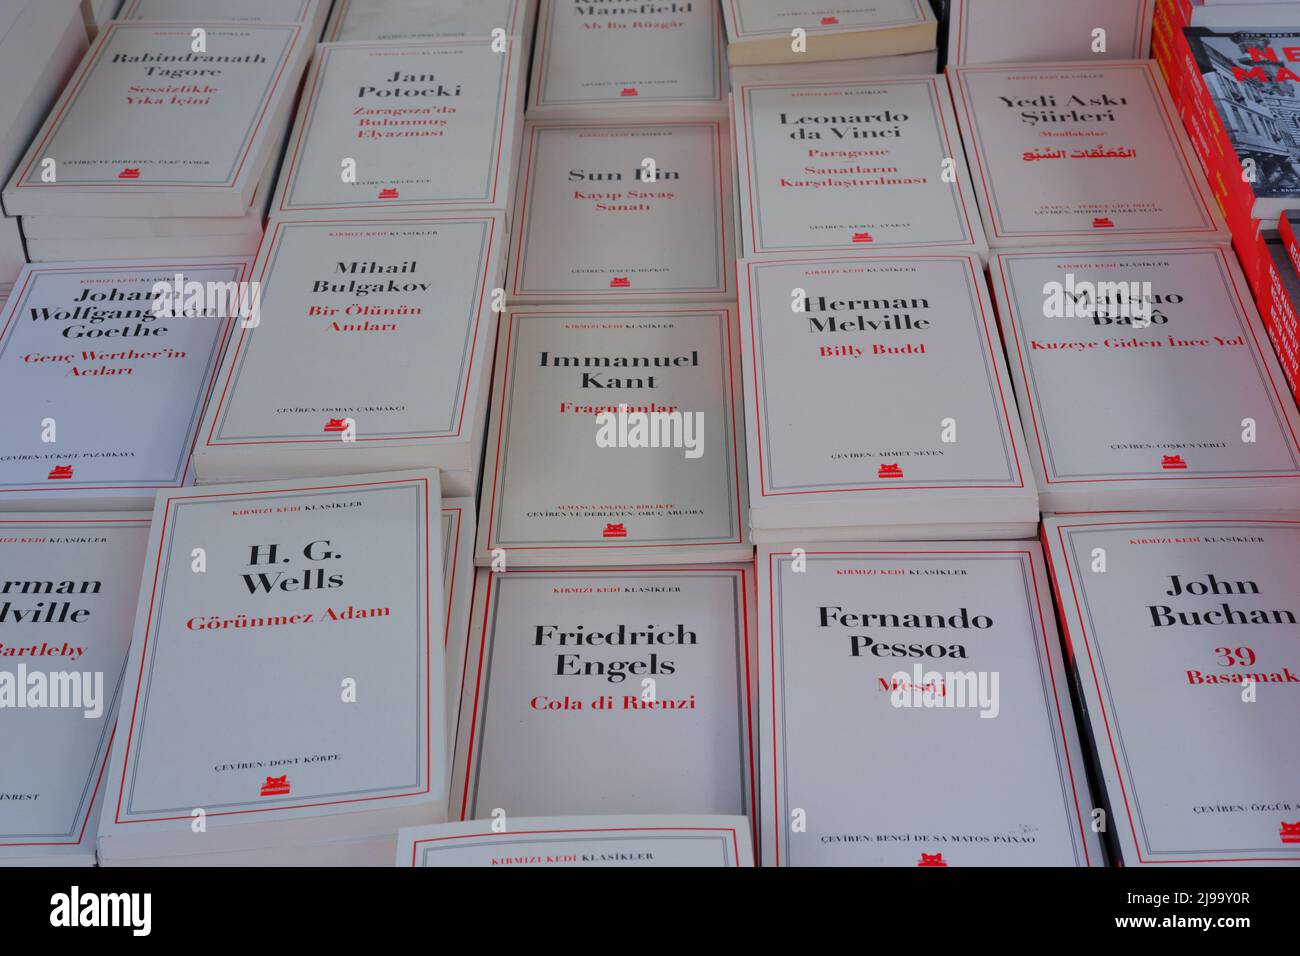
(1289, 239)
(1281, 316)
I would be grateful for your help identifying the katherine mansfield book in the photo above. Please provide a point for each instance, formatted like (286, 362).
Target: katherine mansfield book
(621, 61)
(949, 654)
(148, 126)
(1081, 152)
(285, 682)
(567, 842)
(425, 126)
(842, 443)
(68, 585)
(429, 19)
(1111, 352)
(103, 380)
(607, 692)
(777, 31)
(374, 352)
(1007, 31)
(616, 438)
(843, 166)
(623, 213)
(1184, 627)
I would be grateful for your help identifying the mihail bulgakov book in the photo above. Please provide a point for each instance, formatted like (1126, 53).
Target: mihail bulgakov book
(1111, 352)
(1008, 31)
(427, 126)
(285, 682)
(762, 31)
(1182, 633)
(429, 19)
(594, 841)
(148, 126)
(949, 654)
(68, 585)
(310, 12)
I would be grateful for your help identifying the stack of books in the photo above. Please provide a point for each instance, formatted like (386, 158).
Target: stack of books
(429, 19)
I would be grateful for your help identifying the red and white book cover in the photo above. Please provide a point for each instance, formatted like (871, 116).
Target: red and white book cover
(311, 12)
(1009, 31)
(781, 31)
(428, 19)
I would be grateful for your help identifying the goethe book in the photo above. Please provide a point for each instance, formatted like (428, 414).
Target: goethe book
(842, 166)
(428, 19)
(839, 434)
(1112, 351)
(100, 394)
(605, 692)
(623, 214)
(624, 60)
(947, 651)
(762, 31)
(457, 591)
(566, 842)
(1006, 31)
(374, 352)
(641, 407)
(286, 670)
(149, 127)
(1188, 622)
(68, 585)
(425, 127)
(1081, 152)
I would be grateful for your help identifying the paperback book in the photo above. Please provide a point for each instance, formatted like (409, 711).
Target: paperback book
(776, 31)
(311, 12)
(429, 19)
(457, 593)
(1007, 31)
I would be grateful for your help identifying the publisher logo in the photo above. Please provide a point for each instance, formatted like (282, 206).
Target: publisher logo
(59, 473)
(656, 427)
(389, 193)
(620, 282)
(614, 531)
(24, 689)
(932, 859)
(276, 787)
(629, 91)
(863, 237)
(830, 21)
(1290, 832)
(1173, 463)
(130, 172)
(890, 471)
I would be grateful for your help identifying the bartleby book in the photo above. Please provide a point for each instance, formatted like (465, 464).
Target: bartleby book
(949, 654)
(777, 31)
(68, 584)
(284, 693)
(1184, 627)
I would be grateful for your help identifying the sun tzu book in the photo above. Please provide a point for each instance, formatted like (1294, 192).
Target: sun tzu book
(312, 12)
(149, 127)
(286, 673)
(428, 19)
(628, 59)
(945, 659)
(86, 351)
(763, 31)
(568, 842)
(1183, 628)
(616, 437)
(374, 352)
(607, 692)
(621, 213)
(1081, 152)
(828, 167)
(424, 127)
(1005, 31)
(68, 584)
(839, 434)
(1111, 352)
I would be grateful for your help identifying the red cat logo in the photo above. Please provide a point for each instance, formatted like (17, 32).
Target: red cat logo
(863, 237)
(389, 193)
(932, 859)
(59, 472)
(336, 425)
(615, 531)
(830, 21)
(890, 471)
(276, 786)
(620, 282)
(129, 173)
(1102, 222)
(1173, 463)
(629, 91)
(1290, 832)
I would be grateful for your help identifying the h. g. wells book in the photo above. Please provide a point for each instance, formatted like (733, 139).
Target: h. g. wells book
(620, 61)
(1081, 152)
(426, 126)
(623, 213)
(567, 842)
(944, 664)
(429, 19)
(103, 380)
(1182, 633)
(607, 691)
(285, 684)
(848, 166)
(150, 126)
(68, 585)
(616, 437)
(777, 31)
(1007, 31)
(1146, 381)
(842, 443)
(374, 352)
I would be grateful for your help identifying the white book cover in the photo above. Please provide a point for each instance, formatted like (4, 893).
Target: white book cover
(608, 691)
(623, 213)
(931, 678)
(457, 593)
(428, 19)
(831, 351)
(1081, 152)
(763, 31)
(839, 166)
(568, 842)
(1007, 31)
(1111, 352)
(374, 352)
(68, 585)
(640, 60)
(407, 127)
(100, 393)
(189, 247)
(285, 675)
(149, 127)
(312, 12)
(615, 437)
(1188, 622)
(907, 64)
